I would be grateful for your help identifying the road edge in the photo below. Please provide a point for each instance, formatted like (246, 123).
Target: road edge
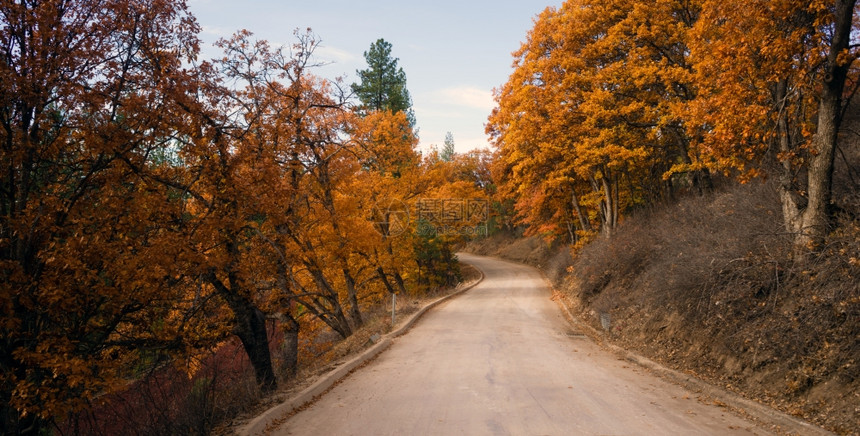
(277, 415)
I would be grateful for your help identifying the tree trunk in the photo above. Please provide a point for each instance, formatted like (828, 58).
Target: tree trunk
(609, 205)
(336, 319)
(571, 231)
(251, 329)
(583, 218)
(792, 202)
(354, 311)
(398, 279)
(401, 285)
(607, 187)
(290, 347)
(382, 276)
(814, 221)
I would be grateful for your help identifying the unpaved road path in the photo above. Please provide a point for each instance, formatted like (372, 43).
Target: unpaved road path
(501, 360)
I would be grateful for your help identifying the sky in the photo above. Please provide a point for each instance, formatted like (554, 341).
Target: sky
(454, 53)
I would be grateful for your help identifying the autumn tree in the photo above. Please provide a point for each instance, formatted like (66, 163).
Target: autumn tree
(266, 173)
(389, 147)
(282, 180)
(453, 209)
(390, 162)
(775, 76)
(91, 97)
(590, 123)
(537, 143)
(517, 127)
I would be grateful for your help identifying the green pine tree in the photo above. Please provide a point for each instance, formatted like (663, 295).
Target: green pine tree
(383, 83)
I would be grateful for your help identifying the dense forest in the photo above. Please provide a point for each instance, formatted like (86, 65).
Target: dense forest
(155, 207)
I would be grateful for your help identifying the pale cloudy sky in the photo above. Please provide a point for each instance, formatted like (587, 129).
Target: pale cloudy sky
(453, 52)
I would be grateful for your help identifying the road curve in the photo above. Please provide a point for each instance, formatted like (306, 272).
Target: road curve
(501, 360)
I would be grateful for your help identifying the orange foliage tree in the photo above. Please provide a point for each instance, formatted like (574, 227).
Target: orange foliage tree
(776, 79)
(386, 143)
(453, 209)
(92, 97)
(266, 176)
(589, 123)
(283, 178)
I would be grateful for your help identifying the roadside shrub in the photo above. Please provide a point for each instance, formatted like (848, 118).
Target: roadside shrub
(557, 264)
(678, 252)
(169, 401)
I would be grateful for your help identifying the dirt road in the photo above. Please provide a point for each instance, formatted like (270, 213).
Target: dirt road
(501, 360)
